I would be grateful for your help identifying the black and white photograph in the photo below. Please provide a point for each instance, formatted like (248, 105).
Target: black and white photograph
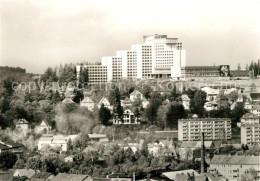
(129, 90)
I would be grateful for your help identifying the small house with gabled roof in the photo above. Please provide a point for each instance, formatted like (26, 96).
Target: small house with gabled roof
(105, 102)
(88, 102)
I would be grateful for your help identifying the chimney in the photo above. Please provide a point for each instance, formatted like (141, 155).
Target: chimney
(202, 154)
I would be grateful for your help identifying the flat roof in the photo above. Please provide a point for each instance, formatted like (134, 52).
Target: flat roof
(206, 119)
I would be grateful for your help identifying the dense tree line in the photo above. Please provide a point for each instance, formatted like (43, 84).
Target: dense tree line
(255, 67)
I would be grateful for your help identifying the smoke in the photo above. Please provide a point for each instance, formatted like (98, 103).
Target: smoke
(27, 139)
(72, 119)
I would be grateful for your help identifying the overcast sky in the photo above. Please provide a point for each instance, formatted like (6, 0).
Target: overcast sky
(36, 34)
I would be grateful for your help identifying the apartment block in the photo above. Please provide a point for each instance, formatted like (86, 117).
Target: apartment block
(158, 57)
(233, 167)
(96, 73)
(250, 134)
(213, 128)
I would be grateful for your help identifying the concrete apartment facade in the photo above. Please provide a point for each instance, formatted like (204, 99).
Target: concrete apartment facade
(250, 134)
(233, 167)
(158, 57)
(213, 128)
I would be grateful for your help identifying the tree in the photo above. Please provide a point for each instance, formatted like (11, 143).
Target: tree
(82, 142)
(67, 73)
(237, 113)
(34, 163)
(137, 113)
(78, 95)
(222, 100)
(249, 175)
(190, 92)
(84, 76)
(146, 91)
(233, 96)
(197, 103)
(176, 111)
(7, 160)
(151, 111)
(8, 85)
(114, 99)
(19, 164)
(161, 113)
(104, 115)
(49, 75)
(174, 95)
(4, 105)
(56, 97)
(238, 67)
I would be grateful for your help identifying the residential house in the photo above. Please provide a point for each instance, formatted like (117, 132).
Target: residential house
(72, 177)
(112, 179)
(166, 101)
(255, 97)
(168, 151)
(185, 101)
(23, 126)
(160, 135)
(155, 148)
(58, 142)
(248, 105)
(68, 100)
(126, 102)
(15, 148)
(133, 145)
(210, 106)
(233, 167)
(173, 174)
(228, 91)
(24, 172)
(233, 106)
(98, 137)
(42, 176)
(44, 127)
(240, 98)
(248, 118)
(255, 110)
(68, 158)
(106, 103)
(4, 148)
(187, 148)
(211, 93)
(45, 141)
(136, 95)
(88, 102)
(145, 103)
(128, 118)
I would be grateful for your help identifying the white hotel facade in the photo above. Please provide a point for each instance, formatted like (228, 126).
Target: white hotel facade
(157, 57)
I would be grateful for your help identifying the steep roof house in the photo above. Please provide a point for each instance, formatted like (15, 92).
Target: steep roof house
(136, 95)
(105, 102)
(88, 102)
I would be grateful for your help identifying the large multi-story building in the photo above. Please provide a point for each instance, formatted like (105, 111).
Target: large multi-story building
(213, 128)
(234, 167)
(250, 134)
(213, 72)
(158, 57)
